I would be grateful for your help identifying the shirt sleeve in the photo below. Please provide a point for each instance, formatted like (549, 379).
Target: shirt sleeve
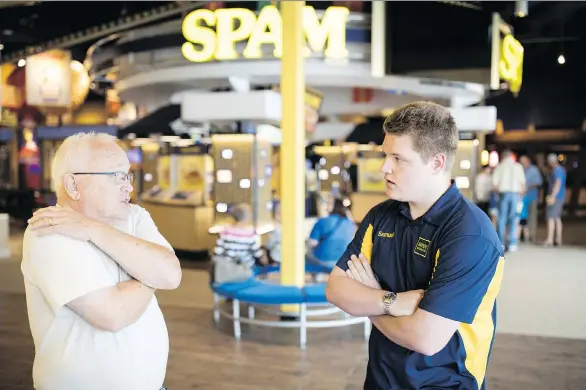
(362, 242)
(521, 173)
(64, 269)
(147, 230)
(316, 231)
(537, 174)
(558, 174)
(468, 270)
(496, 176)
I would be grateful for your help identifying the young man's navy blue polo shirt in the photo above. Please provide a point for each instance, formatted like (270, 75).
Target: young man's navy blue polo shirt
(452, 252)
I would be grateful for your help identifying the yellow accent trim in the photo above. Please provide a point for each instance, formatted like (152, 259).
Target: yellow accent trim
(477, 337)
(437, 255)
(366, 246)
(292, 148)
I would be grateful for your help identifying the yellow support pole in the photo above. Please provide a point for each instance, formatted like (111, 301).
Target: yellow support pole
(292, 147)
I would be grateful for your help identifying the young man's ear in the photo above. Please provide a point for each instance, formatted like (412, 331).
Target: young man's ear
(439, 162)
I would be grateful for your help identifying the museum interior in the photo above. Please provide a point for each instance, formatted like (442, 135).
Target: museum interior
(272, 113)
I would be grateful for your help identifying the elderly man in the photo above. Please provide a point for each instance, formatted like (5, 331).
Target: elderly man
(91, 266)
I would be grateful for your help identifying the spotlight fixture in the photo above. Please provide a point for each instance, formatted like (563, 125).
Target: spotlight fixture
(521, 8)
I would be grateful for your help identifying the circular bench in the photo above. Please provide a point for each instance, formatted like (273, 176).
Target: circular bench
(255, 292)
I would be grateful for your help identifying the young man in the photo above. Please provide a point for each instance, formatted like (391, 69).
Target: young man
(425, 266)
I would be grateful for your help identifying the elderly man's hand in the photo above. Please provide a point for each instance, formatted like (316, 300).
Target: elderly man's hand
(359, 269)
(64, 221)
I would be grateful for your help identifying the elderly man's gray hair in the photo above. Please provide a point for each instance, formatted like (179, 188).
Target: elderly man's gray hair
(77, 153)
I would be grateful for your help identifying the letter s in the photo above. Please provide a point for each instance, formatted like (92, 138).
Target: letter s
(194, 33)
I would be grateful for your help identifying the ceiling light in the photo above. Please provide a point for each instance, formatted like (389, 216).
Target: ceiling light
(561, 59)
(521, 8)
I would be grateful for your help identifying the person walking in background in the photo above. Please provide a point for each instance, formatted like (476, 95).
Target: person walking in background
(493, 208)
(555, 201)
(533, 181)
(508, 180)
(483, 188)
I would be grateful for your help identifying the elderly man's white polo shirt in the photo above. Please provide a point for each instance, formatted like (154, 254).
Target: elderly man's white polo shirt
(70, 353)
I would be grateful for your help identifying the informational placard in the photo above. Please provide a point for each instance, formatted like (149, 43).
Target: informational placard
(164, 172)
(192, 173)
(370, 179)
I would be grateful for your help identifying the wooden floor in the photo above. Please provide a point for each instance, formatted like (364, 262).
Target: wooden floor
(206, 358)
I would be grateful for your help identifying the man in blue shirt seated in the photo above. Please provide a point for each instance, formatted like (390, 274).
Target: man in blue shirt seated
(556, 196)
(425, 266)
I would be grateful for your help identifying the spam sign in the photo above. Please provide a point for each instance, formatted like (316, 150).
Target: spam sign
(511, 63)
(234, 25)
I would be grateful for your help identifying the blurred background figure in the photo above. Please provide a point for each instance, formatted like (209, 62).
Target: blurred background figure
(238, 248)
(273, 247)
(509, 181)
(483, 188)
(556, 195)
(331, 235)
(533, 182)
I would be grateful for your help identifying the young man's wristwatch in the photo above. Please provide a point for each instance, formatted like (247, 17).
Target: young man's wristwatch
(388, 299)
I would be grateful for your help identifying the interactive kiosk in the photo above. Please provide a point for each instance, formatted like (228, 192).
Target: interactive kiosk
(467, 161)
(332, 175)
(243, 175)
(181, 204)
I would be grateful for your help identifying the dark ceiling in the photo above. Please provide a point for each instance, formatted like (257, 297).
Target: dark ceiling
(28, 24)
(552, 27)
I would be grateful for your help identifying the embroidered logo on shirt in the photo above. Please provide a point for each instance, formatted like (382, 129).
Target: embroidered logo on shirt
(421, 247)
(386, 235)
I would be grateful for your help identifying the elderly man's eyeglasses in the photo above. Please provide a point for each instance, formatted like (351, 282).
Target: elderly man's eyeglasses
(120, 177)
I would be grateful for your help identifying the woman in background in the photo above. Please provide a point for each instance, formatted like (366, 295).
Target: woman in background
(331, 235)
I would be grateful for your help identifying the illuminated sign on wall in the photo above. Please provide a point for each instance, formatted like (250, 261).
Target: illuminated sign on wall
(507, 57)
(234, 25)
(511, 63)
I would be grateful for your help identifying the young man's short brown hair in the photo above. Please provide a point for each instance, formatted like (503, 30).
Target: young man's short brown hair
(431, 126)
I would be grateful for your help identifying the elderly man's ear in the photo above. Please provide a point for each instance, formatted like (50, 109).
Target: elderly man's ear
(71, 187)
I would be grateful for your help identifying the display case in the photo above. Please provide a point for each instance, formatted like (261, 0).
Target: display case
(371, 183)
(333, 178)
(180, 204)
(243, 173)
